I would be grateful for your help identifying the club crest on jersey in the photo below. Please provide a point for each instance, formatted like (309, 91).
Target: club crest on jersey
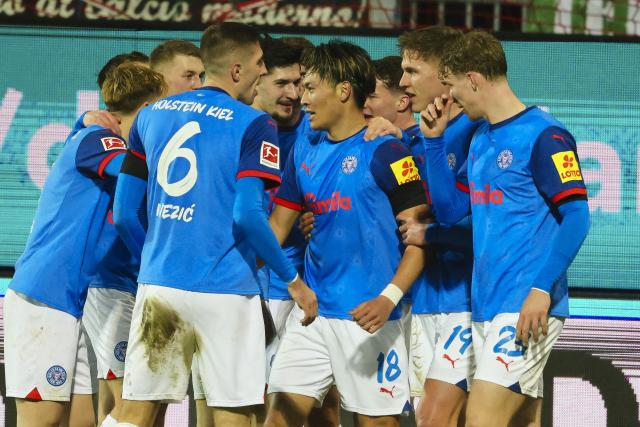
(349, 164)
(270, 155)
(113, 143)
(567, 166)
(451, 160)
(505, 158)
(120, 351)
(56, 375)
(405, 170)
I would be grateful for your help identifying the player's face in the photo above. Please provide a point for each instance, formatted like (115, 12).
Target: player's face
(463, 94)
(182, 73)
(420, 80)
(251, 71)
(381, 103)
(279, 94)
(322, 101)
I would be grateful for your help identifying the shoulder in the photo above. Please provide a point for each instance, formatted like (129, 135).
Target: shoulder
(96, 133)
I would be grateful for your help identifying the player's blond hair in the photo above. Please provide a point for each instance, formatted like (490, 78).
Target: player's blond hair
(475, 51)
(130, 85)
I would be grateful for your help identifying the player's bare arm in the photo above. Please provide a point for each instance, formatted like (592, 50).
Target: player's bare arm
(372, 315)
(282, 220)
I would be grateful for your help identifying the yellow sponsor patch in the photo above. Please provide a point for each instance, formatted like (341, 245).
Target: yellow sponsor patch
(405, 170)
(567, 166)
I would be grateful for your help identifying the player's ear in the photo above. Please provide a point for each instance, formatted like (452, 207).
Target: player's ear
(236, 70)
(473, 79)
(344, 91)
(403, 103)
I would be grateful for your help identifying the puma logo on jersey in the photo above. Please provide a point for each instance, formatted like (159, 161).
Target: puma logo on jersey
(387, 391)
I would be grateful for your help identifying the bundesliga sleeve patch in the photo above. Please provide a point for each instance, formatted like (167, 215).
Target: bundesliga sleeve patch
(113, 143)
(270, 155)
(405, 170)
(567, 166)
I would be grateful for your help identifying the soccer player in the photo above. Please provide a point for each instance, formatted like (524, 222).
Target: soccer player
(353, 263)
(529, 213)
(203, 158)
(46, 344)
(180, 63)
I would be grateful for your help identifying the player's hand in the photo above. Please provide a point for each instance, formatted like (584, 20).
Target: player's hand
(379, 126)
(533, 316)
(103, 118)
(413, 232)
(435, 118)
(306, 300)
(306, 224)
(371, 315)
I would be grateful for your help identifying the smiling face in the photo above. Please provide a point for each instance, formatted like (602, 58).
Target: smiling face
(420, 80)
(322, 101)
(279, 94)
(464, 95)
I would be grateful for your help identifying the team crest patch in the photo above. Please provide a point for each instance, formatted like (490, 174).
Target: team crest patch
(349, 164)
(567, 166)
(120, 351)
(405, 170)
(505, 158)
(270, 155)
(451, 160)
(113, 143)
(56, 375)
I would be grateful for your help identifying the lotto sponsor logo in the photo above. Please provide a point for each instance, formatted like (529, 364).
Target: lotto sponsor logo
(567, 166)
(484, 196)
(405, 170)
(270, 155)
(112, 143)
(335, 203)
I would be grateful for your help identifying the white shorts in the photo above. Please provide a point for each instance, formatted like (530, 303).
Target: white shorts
(47, 352)
(107, 318)
(441, 349)
(224, 333)
(502, 361)
(280, 311)
(369, 370)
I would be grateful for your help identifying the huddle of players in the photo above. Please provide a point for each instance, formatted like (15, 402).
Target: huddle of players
(190, 201)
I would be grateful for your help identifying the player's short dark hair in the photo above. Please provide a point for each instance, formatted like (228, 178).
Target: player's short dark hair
(219, 40)
(389, 71)
(339, 61)
(133, 56)
(476, 51)
(429, 43)
(302, 42)
(168, 50)
(131, 84)
(279, 54)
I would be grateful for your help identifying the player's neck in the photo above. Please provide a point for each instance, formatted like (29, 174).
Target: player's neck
(404, 120)
(214, 81)
(501, 103)
(350, 122)
(455, 110)
(126, 121)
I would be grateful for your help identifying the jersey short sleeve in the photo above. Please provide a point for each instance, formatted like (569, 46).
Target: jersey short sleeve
(96, 150)
(260, 152)
(396, 173)
(289, 194)
(556, 168)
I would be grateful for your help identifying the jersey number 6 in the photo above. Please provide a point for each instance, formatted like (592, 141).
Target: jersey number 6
(174, 150)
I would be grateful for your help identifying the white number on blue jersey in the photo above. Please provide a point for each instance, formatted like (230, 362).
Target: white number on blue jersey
(174, 150)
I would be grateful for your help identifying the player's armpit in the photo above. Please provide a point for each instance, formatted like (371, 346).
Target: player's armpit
(282, 220)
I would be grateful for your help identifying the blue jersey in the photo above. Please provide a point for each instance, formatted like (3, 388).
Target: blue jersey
(519, 171)
(196, 145)
(295, 244)
(445, 285)
(348, 184)
(119, 268)
(61, 255)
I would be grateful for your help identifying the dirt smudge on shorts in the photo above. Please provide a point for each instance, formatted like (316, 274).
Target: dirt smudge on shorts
(161, 326)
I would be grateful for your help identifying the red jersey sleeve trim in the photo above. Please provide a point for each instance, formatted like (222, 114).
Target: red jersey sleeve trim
(141, 156)
(570, 192)
(106, 160)
(288, 204)
(259, 174)
(460, 186)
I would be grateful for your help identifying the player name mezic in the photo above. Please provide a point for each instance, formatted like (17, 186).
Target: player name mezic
(190, 106)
